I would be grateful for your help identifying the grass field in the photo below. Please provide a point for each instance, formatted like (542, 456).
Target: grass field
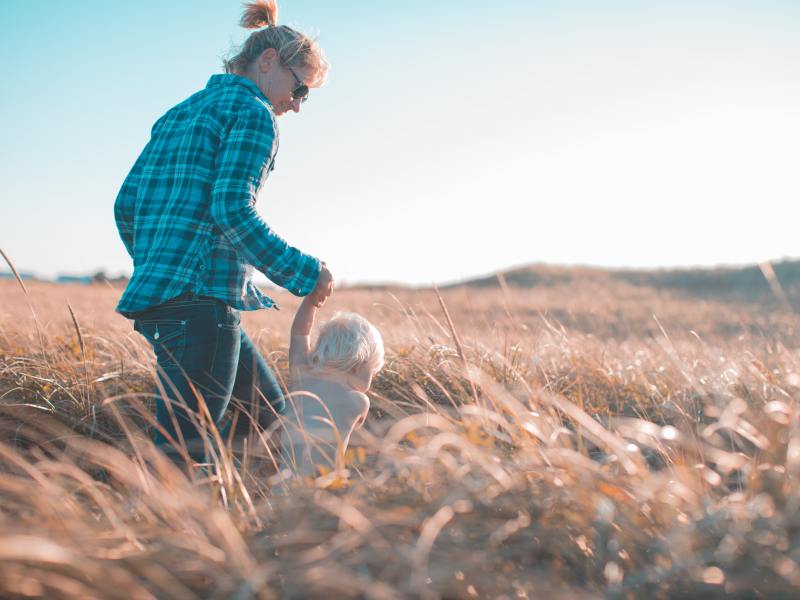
(590, 438)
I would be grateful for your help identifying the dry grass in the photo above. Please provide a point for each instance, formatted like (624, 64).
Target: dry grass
(601, 440)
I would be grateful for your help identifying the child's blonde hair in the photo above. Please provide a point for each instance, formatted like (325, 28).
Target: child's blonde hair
(348, 341)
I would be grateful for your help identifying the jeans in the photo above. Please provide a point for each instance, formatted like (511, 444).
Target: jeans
(203, 355)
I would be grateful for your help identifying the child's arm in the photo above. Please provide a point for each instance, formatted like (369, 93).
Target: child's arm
(300, 336)
(300, 340)
(362, 402)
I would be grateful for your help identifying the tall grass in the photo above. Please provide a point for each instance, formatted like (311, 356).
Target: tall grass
(607, 441)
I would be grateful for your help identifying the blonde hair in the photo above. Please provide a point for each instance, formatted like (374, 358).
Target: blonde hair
(294, 49)
(348, 341)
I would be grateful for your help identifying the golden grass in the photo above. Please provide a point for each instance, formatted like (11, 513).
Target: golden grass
(600, 440)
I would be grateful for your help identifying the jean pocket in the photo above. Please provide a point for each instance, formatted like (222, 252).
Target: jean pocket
(167, 337)
(226, 351)
(232, 318)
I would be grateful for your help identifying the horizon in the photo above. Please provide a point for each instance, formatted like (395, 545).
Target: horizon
(607, 134)
(85, 277)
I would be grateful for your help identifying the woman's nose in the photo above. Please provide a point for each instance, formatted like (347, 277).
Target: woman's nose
(295, 105)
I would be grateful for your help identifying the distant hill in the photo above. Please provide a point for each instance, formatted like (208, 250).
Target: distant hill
(747, 283)
(98, 277)
(22, 274)
(744, 283)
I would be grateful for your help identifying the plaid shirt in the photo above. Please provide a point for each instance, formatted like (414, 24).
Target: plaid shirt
(186, 212)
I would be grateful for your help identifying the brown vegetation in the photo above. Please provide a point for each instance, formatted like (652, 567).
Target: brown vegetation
(590, 438)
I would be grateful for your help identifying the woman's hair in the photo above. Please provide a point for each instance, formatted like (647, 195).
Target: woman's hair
(346, 341)
(294, 48)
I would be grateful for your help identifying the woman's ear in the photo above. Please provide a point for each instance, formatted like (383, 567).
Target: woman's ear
(267, 60)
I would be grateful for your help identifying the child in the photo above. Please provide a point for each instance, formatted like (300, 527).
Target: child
(328, 388)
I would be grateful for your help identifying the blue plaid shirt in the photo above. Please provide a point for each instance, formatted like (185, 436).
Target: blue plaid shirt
(186, 212)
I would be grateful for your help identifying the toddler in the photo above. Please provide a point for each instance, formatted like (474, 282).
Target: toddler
(328, 388)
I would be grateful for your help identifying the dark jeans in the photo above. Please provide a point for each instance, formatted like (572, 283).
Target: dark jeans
(203, 355)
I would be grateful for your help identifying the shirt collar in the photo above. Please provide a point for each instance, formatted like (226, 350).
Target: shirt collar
(221, 79)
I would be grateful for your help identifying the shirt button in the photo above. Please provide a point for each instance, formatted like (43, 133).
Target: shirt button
(202, 267)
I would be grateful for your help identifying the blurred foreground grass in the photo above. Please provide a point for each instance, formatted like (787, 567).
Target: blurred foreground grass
(592, 440)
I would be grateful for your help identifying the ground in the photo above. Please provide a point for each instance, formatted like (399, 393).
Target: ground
(592, 437)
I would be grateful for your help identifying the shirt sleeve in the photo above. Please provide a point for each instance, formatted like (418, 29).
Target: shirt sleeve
(125, 207)
(246, 151)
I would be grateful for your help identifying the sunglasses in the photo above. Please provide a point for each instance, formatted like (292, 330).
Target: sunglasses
(301, 91)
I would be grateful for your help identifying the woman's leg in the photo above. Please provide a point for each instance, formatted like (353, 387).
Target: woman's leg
(256, 391)
(196, 342)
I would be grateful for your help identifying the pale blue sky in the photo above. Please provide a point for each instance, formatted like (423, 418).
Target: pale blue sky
(452, 138)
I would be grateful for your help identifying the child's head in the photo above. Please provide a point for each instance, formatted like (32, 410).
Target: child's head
(351, 344)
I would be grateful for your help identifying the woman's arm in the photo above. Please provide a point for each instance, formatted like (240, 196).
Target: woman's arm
(245, 151)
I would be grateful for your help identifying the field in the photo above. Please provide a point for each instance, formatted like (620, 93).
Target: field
(588, 438)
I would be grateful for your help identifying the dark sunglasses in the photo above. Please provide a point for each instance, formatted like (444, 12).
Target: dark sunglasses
(301, 91)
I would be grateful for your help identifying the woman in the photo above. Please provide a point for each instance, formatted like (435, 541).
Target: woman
(186, 214)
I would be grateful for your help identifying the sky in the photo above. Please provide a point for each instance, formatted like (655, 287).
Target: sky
(452, 138)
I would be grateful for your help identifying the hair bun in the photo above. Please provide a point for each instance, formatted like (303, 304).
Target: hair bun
(261, 13)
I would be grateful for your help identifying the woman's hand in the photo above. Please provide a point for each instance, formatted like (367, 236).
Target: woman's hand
(324, 287)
